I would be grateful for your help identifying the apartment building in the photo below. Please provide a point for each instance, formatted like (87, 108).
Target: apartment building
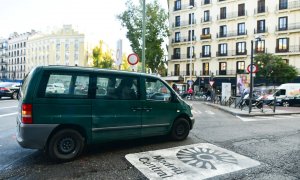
(211, 39)
(17, 55)
(3, 55)
(62, 47)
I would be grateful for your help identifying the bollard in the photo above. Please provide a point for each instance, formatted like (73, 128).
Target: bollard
(275, 102)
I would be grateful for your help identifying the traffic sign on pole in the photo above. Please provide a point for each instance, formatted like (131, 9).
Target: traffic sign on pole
(133, 59)
(254, 68)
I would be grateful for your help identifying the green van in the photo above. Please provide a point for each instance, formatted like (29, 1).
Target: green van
(63, 109)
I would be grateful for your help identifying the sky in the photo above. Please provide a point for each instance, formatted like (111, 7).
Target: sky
(95, 18)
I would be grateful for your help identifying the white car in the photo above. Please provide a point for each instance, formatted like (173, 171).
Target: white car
(55, 88)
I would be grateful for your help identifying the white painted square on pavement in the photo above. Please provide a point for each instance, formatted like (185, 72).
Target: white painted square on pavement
(196, 161)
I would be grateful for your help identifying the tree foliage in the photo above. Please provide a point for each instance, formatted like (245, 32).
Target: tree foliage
(274, 69)
(101, 58)
(156, 31)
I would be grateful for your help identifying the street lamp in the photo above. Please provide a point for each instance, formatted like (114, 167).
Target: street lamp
(251, 74)
(191, 48)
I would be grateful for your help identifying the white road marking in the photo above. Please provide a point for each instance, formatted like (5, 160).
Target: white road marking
(10, 114)
(194, 111)
(8, 107)
(209, 112)
(196, 161)
(267, 118)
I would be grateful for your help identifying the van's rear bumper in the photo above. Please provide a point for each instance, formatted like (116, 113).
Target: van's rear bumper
(33, 136)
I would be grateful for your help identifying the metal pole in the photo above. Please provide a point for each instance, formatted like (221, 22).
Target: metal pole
(143, 37)
(251, 79)
(191, 51)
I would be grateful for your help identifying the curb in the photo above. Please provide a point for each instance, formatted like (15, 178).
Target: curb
(248, 115)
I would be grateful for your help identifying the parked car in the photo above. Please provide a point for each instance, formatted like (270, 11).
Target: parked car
(9, 89)
(98, 106)
(295, 101)
(55, 88)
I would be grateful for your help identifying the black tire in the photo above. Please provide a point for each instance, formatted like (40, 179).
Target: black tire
(14, 95)
(65, 145)
(285, 104)
(180, 129)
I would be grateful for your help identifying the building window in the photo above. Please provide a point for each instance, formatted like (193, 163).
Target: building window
(283, 4)
(206, 1)
(223, 13)
(176, 69)
(177, 36)
(191, 34)
(261, 8)
(260, 46)
(240, 67)
(261, 26)
(190, 51)
(282, 45)
(223, 49)
(177, 5)
(241, 29)
(188, 69)
(205, 31)
(76, 46)
(205, 69)
(241, 48)
(282, 23)
(192, 2)
(177, 21)
(206, 51)
(57, 45)
(191, 18)
(206, 16)
(222, 68)
(223, 31)
(241, 10)
(176, 53)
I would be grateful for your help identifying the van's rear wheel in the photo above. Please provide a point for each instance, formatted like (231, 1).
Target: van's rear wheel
(180, 129)
(65, 145)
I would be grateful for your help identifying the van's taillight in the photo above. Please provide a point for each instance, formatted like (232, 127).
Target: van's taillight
(27, 113)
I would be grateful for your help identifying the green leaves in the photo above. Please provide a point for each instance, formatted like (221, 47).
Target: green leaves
(274, 69)
(156, 31)
(101, 58)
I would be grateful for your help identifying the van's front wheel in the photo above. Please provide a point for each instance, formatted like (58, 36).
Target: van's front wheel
(65, 145)
(180, 129)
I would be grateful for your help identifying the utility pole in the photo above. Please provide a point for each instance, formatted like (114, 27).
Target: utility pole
(143, 37)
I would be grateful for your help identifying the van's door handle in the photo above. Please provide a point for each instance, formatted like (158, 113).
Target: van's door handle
(147, 109)
(134, 109)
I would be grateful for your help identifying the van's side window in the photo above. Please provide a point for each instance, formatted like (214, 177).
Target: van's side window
(112, 87)
(64, 86)
(157, 90)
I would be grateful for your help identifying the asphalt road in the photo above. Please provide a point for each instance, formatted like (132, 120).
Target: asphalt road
(274, 142)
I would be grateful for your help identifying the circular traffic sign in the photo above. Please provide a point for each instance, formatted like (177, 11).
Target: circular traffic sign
(254, 68)
(133, 59)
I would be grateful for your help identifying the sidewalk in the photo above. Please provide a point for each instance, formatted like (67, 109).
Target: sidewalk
(257, 112)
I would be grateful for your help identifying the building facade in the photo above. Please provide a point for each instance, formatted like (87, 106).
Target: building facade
(211, 39)
(3, 56)
(17, 55)
(63, 47)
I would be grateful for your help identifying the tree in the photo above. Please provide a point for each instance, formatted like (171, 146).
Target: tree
(156, 31)
(101, 58)
(274, 69)
(125, 65)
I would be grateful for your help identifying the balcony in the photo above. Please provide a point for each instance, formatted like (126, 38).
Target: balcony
(183, 40)
(231, 34)
(225, 72)
(183, 73)
(290, 50)
(260, 51)
(262, 10)
(183, 24)
(205, 36)
(184, 6)
(261, 31)
(182, 56)
(293, 27)
(286, 7)
(208, 20)
(232, 16)
(231, 53)
(202, 55)
(3, 62)
(205, 73)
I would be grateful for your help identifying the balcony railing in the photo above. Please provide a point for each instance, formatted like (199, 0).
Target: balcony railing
(206, 55)
(203, 20)
(290, 49)
(183, 73)
(259, 31)
(260, 51)
(261, 9)
(231, 53)
(182, 56)
(288, 5)
(205, 36)
(231, 34)
(183, 23)
(184, 6)
(289, 27)
(225, 72)
(183, 39)
(3, 62)
(232, 15)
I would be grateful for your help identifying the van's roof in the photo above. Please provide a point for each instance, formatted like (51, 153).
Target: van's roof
(91, 69)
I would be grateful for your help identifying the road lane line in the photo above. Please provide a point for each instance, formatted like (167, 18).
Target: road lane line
(8, 107)
(10, 114)
(210, 112)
